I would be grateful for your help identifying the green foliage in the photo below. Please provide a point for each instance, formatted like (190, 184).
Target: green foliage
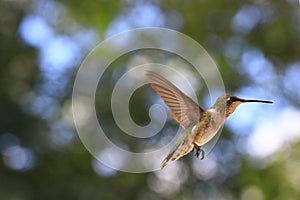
(66, 170)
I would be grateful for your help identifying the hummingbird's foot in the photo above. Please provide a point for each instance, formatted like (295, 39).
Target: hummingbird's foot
(198, 151)
(202, 152)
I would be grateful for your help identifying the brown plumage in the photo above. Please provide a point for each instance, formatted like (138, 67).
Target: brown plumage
(200, 125)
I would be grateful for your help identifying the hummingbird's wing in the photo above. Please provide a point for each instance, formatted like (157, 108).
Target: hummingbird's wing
(183, 109)
(183, 146)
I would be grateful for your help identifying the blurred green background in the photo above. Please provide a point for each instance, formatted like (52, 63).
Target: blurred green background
(255, 45)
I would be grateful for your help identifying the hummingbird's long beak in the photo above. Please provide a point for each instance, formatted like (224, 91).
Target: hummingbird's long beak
(254, 100)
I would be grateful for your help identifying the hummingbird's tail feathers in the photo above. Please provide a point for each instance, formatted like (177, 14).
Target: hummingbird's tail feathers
(164, 163)
(171, 157)
(175, 155)
(180, 150)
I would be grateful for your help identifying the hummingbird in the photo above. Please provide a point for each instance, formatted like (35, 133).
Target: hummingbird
(200, 125)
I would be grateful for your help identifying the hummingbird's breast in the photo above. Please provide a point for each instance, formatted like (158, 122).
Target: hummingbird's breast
(208, 126)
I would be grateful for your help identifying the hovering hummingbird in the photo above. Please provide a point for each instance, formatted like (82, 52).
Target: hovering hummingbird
(200, 125)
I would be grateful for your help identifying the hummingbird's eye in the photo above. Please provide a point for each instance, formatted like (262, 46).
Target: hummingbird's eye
(232, 99)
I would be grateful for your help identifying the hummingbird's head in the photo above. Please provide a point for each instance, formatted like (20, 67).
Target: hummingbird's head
(227, 103)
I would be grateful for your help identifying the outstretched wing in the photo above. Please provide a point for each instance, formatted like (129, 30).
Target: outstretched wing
(183, 109)
(183, 146)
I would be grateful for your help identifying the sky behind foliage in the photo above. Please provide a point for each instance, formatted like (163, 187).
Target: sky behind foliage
(255, 45)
